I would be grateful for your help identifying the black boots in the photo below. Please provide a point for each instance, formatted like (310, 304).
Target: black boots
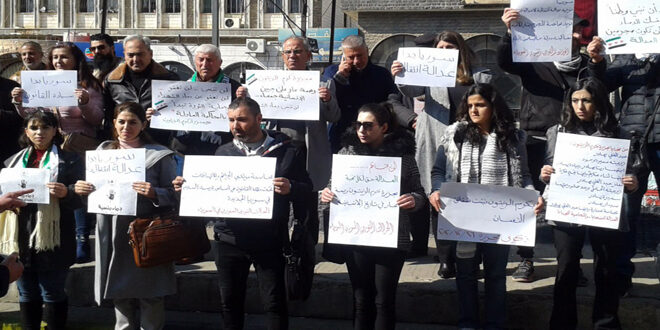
(54, 314)
(31, 315)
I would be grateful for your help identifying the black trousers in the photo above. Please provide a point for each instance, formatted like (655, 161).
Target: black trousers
(374, 274)
(446, 249)
(606, 245)
(233, 268)
(419, 230)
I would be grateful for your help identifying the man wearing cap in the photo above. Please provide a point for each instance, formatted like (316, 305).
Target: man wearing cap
(544, 86)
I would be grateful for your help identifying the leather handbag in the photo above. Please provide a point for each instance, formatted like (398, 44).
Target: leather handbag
(300, 257)
(161, 240)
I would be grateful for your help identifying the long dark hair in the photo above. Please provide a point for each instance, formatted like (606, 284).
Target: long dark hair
(502, 121)
(138, 111)
(384, 114)
(46, 117)
(85, 76)
(465, 55)
(604, 119)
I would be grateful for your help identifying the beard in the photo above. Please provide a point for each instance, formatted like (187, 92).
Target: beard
(103, 62)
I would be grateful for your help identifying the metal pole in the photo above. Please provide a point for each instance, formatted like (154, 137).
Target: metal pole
(104, 14)
(303, 19)
(332, 31)
(215, 22)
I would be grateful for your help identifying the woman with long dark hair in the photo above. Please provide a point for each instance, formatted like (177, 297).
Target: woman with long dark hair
(116, 276)
(440, 104)
(43, 234)
(482, 147)
(374, 271)
(586, 111)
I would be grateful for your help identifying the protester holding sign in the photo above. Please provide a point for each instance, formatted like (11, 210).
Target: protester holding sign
(374, 271)
(116, 276)
(483, 147)
(440, 105)
(587, 111)
(544, 86)
(43, 234)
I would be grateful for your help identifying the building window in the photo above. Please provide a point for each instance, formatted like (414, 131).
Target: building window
(172, 6)
(26, 6)
(295, 6)
(48, 6)
(273, 6)
(148, 6)
(113, 6)
(206, 6)
(86, 6)
(234, 6)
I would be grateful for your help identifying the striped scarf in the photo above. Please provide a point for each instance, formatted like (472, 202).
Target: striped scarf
(492, 168)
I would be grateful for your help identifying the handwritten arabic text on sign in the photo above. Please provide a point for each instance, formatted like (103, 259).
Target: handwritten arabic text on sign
(543, 33)
(496, 214)
(112, 172)
(49, 88)
(18, 178)
(630, 26)
(285, 94)
(427, 66)
(366, 212)
(229, 187)
(190, 106)
(586, 187)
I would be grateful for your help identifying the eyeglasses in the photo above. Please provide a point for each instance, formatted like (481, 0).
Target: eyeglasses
(367, 125)
(292, 51)
(99, 47)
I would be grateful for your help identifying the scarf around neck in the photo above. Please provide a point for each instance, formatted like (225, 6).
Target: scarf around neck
(569, 66)
(489, 167)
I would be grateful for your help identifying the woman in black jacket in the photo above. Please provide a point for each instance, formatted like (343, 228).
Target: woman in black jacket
(45, 232)
(374, 271)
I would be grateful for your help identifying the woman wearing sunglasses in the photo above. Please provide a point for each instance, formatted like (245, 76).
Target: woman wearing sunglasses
(374, 271)
(482, 147)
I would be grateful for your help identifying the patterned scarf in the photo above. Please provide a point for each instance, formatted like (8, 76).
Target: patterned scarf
(491, 168)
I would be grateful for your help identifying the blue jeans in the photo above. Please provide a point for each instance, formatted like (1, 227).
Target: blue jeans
(632, 204)
(82, 223)
(495, 258)
(46, 286)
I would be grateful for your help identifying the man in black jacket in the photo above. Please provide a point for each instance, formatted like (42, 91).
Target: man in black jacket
(243, 242)
(10, 268)
(544, 88)
(11, 124)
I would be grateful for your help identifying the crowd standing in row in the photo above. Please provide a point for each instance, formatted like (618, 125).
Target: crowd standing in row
(464, 134)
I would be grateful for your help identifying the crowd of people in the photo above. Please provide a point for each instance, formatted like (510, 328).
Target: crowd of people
(465, 133)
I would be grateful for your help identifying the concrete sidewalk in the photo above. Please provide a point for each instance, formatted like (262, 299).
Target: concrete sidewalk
(423, 298)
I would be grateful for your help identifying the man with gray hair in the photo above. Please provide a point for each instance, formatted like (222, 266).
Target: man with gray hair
(31, 55)
(358, 82)
(131, 80)
(207, 69)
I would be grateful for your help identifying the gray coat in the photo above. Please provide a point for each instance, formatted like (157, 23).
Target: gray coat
(115, 273)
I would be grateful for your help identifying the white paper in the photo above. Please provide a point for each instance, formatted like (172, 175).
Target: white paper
(630, 26)
(365, 211)
(113, 172)
(285, 94)
(586, 187)
(495, 214)
(431, 67)
(49, 88)
(18, 178)
(544, 31)
(190, 106)
(228, 187)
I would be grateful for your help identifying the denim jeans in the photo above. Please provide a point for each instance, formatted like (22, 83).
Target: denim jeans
(632, 204)
(46, 286)
(233, 266)
(374, 274)
(495, 258)
(82, 222)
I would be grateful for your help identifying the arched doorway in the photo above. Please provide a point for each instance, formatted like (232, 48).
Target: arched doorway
(385, 52)
(236, 70)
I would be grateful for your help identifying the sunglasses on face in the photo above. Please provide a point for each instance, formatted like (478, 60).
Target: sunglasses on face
(367, 125)
(99, 47)
(292, 51)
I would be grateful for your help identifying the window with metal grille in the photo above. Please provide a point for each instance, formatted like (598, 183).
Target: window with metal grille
(172, 6)
(234, 6)
(273, 6)
(148, 6)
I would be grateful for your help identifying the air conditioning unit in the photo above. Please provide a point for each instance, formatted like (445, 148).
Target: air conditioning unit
(255, 45)
(232, 23)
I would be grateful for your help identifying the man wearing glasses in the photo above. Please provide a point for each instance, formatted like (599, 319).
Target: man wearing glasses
(105, 60)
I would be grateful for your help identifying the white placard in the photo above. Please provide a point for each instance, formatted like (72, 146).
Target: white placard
(432, 67)
(113, 172)
(586, 187)
(544, 31)
(499, 214)
(49, 88)
(18, 178)
(228, 187)
(365, 211)
(630, 26)
(285, 94)
(190, 106)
